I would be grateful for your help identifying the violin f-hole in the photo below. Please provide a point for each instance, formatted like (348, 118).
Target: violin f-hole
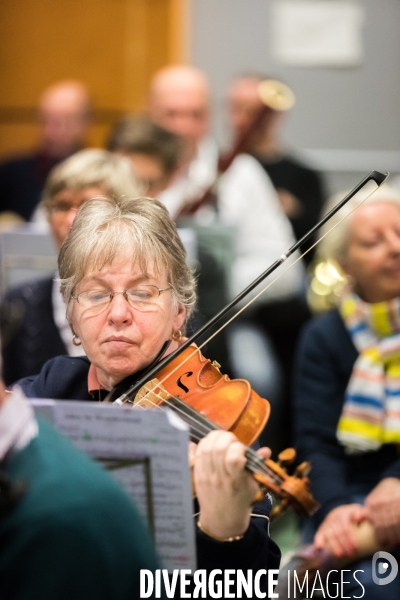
(182, 385)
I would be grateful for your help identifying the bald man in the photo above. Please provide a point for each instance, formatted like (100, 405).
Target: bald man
(64, 116)
(179, 100)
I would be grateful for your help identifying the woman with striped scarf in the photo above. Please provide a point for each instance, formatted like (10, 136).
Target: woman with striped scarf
(347, 395)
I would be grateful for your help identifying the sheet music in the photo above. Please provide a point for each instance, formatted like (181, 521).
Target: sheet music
(147, 451)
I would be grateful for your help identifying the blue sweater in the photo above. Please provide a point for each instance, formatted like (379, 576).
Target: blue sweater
(325, 360)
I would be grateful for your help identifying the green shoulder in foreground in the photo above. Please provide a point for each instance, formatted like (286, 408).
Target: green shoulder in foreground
(74, 534)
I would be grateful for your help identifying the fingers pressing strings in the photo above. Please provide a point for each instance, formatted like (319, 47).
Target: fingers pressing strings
(200, 426)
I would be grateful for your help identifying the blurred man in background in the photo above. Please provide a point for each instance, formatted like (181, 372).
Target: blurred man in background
(64, 117)
(245, 200)
(179, 101)
(299, 187)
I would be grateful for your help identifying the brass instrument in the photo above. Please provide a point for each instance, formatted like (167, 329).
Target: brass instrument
(327, 282)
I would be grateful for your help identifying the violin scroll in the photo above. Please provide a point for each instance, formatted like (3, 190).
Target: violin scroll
(290, 490)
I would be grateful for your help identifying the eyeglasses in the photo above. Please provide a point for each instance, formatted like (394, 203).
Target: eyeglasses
(141, 297)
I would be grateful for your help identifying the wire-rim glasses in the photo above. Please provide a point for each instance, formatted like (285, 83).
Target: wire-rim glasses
(142, 297)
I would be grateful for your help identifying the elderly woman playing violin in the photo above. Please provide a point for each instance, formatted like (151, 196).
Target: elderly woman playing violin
(128, 290)
(347, 395)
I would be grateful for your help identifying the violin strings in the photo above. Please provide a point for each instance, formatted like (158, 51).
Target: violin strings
(200, 429)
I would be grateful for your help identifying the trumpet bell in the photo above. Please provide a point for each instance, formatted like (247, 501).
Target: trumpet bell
(276, 95)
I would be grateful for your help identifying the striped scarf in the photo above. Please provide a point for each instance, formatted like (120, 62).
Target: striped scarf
(371, 411)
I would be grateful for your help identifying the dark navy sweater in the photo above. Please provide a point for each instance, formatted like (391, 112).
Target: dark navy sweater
(325, 360)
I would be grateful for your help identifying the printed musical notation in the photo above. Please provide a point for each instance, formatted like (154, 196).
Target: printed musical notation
(147, 452)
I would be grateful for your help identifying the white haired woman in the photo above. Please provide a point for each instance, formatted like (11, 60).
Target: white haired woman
(128, 290)
(43, 331)
(347, 412)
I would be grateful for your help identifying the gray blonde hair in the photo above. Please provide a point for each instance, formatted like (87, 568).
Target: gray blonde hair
(334, 245)
(140, 228)
(91, 168)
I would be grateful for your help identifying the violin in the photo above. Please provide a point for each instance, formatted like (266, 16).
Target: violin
(193, 387)
(196, 390)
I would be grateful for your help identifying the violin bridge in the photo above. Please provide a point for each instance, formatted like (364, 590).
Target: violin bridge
(151, 394)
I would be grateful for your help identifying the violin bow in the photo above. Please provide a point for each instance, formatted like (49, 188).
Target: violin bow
(150, 373)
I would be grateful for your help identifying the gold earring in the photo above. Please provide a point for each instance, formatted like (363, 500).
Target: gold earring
(75, 343)
(177, 335)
